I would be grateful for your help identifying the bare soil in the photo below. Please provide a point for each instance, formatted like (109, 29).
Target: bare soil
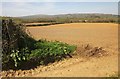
(97, 50)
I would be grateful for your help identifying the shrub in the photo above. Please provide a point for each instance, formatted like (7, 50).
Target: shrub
(43, 53)
(20, 49)
(19, 57)
(47, 51)
(14, 41)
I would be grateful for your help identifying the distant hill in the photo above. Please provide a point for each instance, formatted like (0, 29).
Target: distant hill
(35, 16)
(69, 18)
(66, 18)
(67, 15)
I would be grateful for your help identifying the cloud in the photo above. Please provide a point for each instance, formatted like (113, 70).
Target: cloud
(52, 8)
(19, 0)
(27, 8)
(60, 1)
(47, 7)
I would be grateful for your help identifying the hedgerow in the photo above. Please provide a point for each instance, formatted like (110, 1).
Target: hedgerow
(20, 51)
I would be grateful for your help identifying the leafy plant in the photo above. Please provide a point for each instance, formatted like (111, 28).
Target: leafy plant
(51, 51)
(20, 49)
(16, 44)
(19, 56)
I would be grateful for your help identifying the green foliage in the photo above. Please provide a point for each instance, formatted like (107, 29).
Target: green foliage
(20, 49)
(15, 43)
(43, 53)
(19, 56)
(71, 18)
(45, 24)
(45, 50)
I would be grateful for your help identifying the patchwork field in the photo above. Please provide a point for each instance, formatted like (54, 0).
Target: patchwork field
(103, 35)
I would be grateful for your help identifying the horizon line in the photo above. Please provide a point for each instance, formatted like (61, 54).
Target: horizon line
(59, 14)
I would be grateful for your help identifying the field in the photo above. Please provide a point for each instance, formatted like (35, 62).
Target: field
(103, 35)
(97, 34)
(27, 24)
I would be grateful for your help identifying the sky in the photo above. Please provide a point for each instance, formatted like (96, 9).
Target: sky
(59, 0)
(17, 8)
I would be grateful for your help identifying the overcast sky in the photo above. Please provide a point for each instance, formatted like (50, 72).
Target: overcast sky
(23, 8)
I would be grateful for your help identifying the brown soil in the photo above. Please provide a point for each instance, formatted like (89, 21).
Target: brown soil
(97, 50)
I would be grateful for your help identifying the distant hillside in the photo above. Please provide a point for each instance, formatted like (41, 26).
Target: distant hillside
(35, 16)
(68, 15)
(69, 18)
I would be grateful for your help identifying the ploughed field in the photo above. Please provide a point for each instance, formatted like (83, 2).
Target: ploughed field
(103, 35)
(97, 34)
